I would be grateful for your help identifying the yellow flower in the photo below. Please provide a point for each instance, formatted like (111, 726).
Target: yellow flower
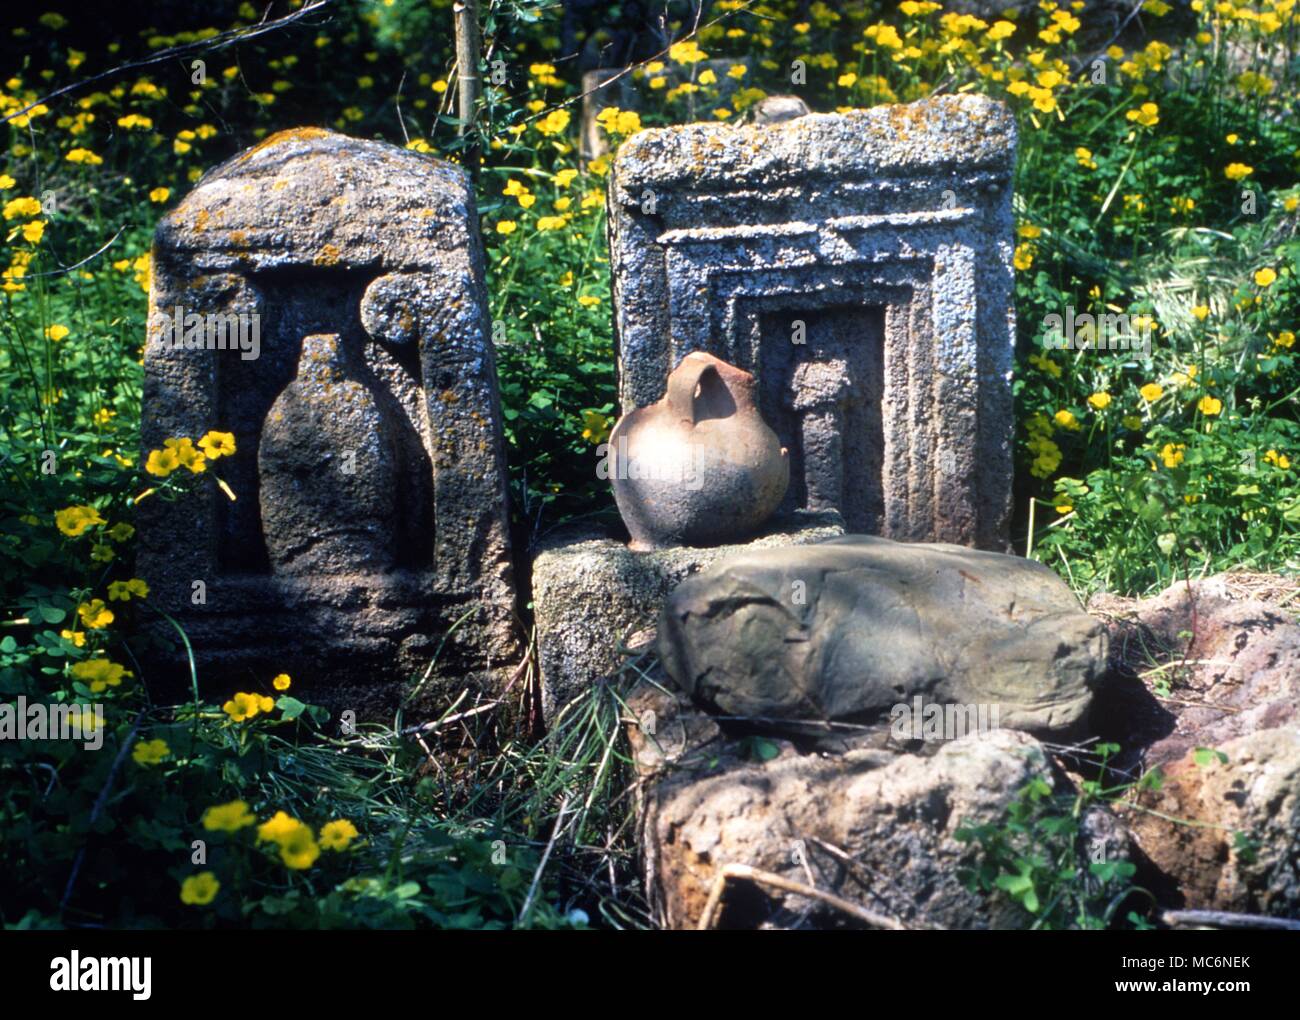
(74, 520)
(687, 52)
(34, 231)
(1067, 420)
(1084, 158)
(1148, 115)
(100, 674)
(162, 462)
(1201, 311)
(1023, 257)
(75, 637)
(1278, 460)
(1237, 171)
(587, 301)
(229, 817)
(276, 827)
(95, 615)
(595, 426)
(281, 682)
(298, 847)
(150, 752)
(1063, 508)
(1209, 406)
(1100, 401)
(1265, 277)
(245, 706)
(160, 194)
(1172, 454)
(200, 890)
(25, 207)
(565, 177)
(506, 227)
(1285, 339)
(846, 80)
(554, 122)
(1151, 392)
(338, 834)
(439, 86)
(123, 590)
(217, 444)
(56, 332)
(135, 120)
(186, 454)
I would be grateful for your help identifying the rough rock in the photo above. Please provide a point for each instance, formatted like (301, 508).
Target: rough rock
(799, 815)
(592, 595)
(850, 628)
(1241, 850)
(1228, 660)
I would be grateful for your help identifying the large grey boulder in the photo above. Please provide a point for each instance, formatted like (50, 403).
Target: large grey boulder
(855, 627)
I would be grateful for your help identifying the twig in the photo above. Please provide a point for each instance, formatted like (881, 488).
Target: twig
(743, 871)
(541, 865)
(1223, 919)
(88, 258)
(437, 724)
(100, 801)
(227, 38)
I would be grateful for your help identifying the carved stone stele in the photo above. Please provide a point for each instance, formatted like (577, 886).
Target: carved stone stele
(859, 265)
(369, 533)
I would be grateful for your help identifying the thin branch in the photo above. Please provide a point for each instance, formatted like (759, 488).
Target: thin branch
(227, 38)
(1224, 919)
(709, 917)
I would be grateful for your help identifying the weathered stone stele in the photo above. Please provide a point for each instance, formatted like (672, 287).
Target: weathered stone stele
(370, 523)
(859, 265)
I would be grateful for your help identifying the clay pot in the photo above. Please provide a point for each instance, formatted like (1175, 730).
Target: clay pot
(700, 467)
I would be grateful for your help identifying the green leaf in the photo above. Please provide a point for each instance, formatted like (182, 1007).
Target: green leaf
(290, 708)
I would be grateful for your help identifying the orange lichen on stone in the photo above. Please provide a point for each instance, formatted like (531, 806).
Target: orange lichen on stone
(328, 256)
(290, 135)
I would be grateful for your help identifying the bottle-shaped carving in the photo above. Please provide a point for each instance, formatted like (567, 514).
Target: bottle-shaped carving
(329, 469)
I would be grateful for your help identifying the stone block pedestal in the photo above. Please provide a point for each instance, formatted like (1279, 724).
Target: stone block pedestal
(593, 595)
